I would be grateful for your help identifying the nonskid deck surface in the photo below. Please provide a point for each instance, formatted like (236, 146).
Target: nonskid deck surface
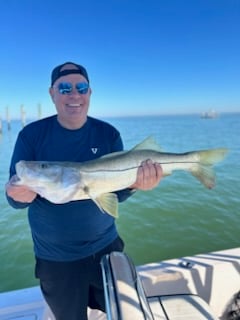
(214, 276)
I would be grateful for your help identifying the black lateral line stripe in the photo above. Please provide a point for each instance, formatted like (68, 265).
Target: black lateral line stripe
(130, 168)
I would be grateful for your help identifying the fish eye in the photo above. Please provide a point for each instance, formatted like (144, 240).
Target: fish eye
(43, 166)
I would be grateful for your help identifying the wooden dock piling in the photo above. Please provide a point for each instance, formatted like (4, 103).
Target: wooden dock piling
(23, 115)
(8, 118)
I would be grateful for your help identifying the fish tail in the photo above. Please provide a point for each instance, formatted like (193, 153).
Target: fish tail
(203, 170)
(210, 157)
(205, 175)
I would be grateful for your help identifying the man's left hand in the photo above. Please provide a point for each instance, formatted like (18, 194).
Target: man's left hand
(148, 176)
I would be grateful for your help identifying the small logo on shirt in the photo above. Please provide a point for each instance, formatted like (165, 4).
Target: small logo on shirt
(94, 150)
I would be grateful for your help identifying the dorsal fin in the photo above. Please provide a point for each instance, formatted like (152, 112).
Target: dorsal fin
(113, 154)
(148, 144)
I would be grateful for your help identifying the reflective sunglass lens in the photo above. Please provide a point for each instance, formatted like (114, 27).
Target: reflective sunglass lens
(82, 87)
(65, 87)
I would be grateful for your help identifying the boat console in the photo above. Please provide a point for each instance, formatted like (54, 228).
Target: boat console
(126, 299)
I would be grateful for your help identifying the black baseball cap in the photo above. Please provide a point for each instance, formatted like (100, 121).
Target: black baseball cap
(58, 72)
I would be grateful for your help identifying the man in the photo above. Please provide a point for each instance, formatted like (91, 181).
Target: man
(70, 239)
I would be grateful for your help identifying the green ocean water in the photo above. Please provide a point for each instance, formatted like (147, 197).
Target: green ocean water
(178, 218)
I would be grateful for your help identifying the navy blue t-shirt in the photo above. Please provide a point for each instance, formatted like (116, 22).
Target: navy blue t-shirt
(71, 231)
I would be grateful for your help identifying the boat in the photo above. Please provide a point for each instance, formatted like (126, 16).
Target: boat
(203, 286)
(212, 114)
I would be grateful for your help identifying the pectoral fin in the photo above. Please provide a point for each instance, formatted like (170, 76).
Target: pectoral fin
(108, 202)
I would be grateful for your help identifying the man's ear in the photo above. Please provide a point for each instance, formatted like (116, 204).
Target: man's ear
(51, 92)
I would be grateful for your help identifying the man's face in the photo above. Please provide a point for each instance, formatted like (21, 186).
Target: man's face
(72, 107)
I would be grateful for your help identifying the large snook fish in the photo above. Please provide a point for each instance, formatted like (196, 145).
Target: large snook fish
(61, 182)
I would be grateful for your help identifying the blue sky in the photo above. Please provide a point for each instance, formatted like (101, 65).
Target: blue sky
(143, 56)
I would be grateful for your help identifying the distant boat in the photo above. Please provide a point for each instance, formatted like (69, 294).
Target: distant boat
(212, 114)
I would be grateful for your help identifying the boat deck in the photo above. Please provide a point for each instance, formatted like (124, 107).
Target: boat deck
(214, 277)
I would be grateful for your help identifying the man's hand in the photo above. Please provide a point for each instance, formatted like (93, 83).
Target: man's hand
(148, 176)
(19, 193)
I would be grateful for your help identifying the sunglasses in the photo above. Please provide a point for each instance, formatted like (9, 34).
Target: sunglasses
(67, 87)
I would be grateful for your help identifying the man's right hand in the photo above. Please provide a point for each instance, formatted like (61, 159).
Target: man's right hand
(19, 193)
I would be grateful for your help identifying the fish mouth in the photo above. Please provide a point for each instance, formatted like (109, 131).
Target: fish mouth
(15, 180)
(19, 169)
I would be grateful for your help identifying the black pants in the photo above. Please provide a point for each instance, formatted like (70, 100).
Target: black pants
(70, 287)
